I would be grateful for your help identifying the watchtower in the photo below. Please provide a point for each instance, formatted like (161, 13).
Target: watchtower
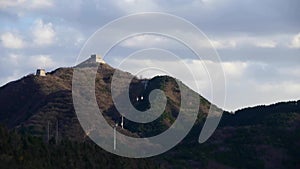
(40, 72)
(97, 58)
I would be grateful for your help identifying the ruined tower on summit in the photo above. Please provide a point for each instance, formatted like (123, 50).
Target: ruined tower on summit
(40, 72)
(97, 58)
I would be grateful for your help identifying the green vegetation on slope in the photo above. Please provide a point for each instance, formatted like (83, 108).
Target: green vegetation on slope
(257, 137)
(25, 151)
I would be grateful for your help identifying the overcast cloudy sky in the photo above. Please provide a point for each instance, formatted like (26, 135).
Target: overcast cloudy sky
(258, 41)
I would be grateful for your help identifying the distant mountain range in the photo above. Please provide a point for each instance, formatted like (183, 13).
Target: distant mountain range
(36, 107)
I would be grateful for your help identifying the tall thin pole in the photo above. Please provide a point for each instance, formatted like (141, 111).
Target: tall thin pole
(122, 122)
(115, 140)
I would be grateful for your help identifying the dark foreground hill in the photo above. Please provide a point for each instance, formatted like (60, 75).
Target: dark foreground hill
(258, 137)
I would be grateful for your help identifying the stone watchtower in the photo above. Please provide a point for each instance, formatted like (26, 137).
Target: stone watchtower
(41, 72)
(97, 58)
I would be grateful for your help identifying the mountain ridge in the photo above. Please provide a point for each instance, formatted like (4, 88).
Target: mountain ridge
(256, 137)
(35, 100)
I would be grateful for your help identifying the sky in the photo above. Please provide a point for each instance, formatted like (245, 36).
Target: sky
(258, 42)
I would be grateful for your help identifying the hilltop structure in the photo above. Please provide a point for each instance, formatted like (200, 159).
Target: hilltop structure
(40, 72)
(97, 58)
(93, 60)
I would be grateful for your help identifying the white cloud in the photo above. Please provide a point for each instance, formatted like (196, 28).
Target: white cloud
(12, 41)
(279, 91)
(245, 93)
(16, 65)
(27, 4)
(133, 6)
(41, 61)
(295, 43)
(266, 44)
(234, 69)
(243, 87)
(68, 36)
(197, 74)
(222, 44)
(41, 3)
(14, 59)
(234, 41)
(146, 41)
(43, 34)
(15, 74)
(17, 60)
(11, 3)
(290, 71)
(238, 40)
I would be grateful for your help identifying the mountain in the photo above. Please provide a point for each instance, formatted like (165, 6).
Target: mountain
(257, 137)
(34, 101)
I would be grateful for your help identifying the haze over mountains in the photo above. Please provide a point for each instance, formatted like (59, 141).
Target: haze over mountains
(258, 137)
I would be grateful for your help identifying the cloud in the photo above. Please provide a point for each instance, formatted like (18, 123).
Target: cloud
(147, 40)
(229, 42)
(238, 40)
(234, 69)
(15, 74)
(248, 83)
(245, 93)
(144, 41)
(30, 62)
(43, 34)
(41, 61)
(16, 65)
(12, 41)
(41, 3)
(13, 59)
(266, 44)
(11, 3)
(27, 4)
(222, 44)
(197, 74)
(291, 72)
(295, 43)
(133, 6)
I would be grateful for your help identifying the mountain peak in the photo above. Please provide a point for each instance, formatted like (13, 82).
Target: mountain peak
(36, 100)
